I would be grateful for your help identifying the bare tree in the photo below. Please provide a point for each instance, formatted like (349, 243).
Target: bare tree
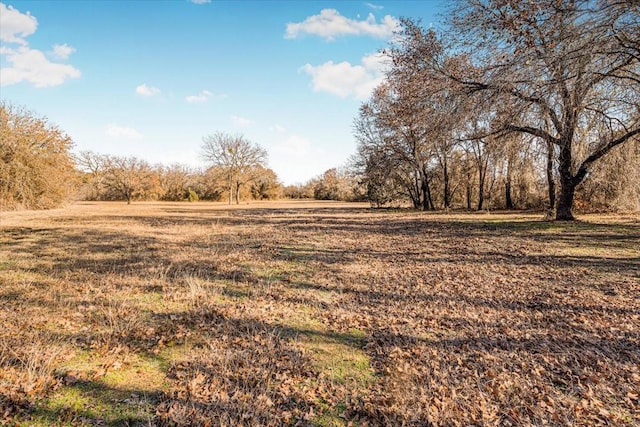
(236, 155)
(571, 63)
(119, 177)
(177, 181)
(416, 116)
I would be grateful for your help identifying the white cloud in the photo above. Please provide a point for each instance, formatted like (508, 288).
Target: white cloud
(277, 129)
(25, 64)
(200, 1)
(374, 6)
(330, 23)
(117, 131)
(201, 97)
(346, 80)
(31, 65)
(15, 26)
(294, 145)
(145, 90)
(296, 159)
(241, 121)
(62, 51)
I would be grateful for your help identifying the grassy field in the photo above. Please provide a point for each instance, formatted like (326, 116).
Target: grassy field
(310, 313)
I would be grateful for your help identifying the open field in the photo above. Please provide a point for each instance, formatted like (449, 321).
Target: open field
(310, 313)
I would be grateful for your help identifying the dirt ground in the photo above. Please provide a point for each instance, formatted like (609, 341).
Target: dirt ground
(316, 313)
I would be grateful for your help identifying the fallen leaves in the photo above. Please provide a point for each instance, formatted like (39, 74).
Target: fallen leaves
(462, 320)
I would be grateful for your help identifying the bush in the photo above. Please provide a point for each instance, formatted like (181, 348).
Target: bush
(193, 196)
(36, 167)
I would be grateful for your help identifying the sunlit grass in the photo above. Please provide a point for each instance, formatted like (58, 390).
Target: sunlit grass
(127, 315)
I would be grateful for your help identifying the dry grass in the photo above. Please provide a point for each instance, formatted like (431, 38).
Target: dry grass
(309, 313)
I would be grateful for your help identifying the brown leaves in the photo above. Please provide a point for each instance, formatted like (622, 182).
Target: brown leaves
(245, 379)
(465, 320)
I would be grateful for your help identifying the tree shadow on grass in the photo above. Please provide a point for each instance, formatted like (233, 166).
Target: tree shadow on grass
(99, 252)
(584, 245)
(554, 333)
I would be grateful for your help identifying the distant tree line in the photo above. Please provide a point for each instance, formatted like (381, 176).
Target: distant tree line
(525, 104)
(38, 171)
(107, 177)
(334, 184)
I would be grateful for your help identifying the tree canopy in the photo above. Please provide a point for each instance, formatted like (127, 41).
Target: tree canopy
(237, 156)
(564, 73)
(36, 167)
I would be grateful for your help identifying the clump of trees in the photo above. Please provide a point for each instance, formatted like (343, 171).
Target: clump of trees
(240, 160)
(36, 166)
(333, 184)
(108, 177)
(529, 95)
(38, 170)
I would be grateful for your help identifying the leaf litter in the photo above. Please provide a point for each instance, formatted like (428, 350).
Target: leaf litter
(463, 319)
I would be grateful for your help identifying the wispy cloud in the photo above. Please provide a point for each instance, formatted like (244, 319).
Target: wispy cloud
(62, 51)
(31, 65)
(374, 6)
(145, 90)
(294, 145)
(277, 129)
(346, 80)
(241, 121)
(330, 24)
(204, 96)
(200, 1)
(123, 132)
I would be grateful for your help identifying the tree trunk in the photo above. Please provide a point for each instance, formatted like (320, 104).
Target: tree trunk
(431, 205)
(415, 199)
(426, 196)
(230, 188)
(508, 200)
(564, 210)
(445, 178)
(427, 203)
(469, 187)
(416, 190)
(237, 193)
(507, 194)
(550, 180)
(482, 170)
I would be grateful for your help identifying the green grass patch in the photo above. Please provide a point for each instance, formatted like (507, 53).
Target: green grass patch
(94, 403)
(337, 355)
(102, 391)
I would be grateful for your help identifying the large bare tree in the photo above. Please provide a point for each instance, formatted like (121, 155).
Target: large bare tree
(236, 155)
(573, 64)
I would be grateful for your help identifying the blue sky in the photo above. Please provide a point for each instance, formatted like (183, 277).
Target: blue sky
(151, 78)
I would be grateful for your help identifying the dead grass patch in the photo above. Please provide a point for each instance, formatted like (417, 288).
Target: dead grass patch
(316, 314)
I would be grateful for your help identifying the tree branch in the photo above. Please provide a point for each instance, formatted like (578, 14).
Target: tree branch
(535, 132)
(584, 167)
